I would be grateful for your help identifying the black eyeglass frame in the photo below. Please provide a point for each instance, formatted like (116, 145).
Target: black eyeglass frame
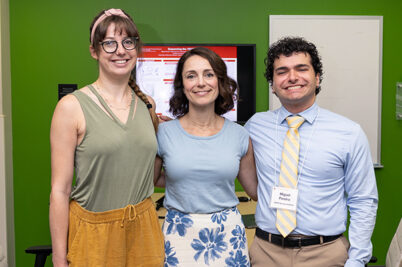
(134, 39)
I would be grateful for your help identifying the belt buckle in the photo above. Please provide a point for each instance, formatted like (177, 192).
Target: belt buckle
(296, 240)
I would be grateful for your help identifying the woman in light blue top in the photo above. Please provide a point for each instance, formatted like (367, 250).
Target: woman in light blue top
(202, 154)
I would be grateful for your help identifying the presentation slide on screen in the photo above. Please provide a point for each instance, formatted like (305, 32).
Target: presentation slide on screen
(157, 67)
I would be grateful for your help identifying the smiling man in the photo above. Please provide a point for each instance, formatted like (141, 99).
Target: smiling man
(313, 167)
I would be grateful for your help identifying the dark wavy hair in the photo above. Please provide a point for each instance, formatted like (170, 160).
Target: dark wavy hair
(227, 86)
(287, 46)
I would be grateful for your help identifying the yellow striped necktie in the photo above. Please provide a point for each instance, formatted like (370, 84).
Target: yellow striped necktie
(286, 219)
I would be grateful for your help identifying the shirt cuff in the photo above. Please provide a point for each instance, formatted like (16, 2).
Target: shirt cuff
(354, 263)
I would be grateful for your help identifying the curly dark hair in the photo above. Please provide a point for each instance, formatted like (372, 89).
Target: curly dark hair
(287, 46)
(227, 86)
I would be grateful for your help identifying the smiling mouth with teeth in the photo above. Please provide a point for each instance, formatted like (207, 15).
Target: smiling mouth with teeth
(201, 92)
(120, 61)
(294, 87)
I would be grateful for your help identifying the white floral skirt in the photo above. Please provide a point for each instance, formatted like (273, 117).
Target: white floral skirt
(216, 239)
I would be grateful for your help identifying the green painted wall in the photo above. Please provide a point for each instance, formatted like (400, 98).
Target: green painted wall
(49, 45)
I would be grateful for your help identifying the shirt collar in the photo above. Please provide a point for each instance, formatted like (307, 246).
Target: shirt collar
(309, 114)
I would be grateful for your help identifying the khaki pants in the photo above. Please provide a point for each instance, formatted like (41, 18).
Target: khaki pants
(129, 237)
(331, 254)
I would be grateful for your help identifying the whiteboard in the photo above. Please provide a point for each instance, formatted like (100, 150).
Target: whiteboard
(351, 51)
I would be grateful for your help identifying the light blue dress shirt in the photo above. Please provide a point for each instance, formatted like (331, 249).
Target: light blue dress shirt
(335, 173)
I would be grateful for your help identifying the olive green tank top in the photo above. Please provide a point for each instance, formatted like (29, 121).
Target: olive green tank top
(114, 163)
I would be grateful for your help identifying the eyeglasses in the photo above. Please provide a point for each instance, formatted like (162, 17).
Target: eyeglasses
(110, 46)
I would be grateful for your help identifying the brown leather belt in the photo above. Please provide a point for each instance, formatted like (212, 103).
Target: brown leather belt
(292, 241)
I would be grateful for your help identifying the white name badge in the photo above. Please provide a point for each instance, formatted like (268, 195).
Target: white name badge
(284, 198)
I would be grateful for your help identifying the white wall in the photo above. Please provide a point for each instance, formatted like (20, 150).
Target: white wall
(7, 247)
(3, 210)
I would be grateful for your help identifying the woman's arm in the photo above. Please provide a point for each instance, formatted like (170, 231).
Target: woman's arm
(64, 135)
(159, 174)
(247, 173)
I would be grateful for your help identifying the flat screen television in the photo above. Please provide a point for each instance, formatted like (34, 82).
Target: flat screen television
(156, 68)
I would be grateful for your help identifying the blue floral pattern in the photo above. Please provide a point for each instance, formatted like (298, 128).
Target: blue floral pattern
(211, 244)
(239, 238)
(204, 234)
(235, 210)
(170, 259)
(218, 217)
(237, 260)
(178, 222)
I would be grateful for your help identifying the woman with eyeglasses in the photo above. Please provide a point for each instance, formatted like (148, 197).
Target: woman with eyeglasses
(105, 134)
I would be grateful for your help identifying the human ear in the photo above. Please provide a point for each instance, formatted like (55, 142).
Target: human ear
(272, 88)
(93, 52)
(317, 80)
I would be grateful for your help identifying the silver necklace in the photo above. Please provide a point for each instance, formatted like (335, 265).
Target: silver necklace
(110, 105)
